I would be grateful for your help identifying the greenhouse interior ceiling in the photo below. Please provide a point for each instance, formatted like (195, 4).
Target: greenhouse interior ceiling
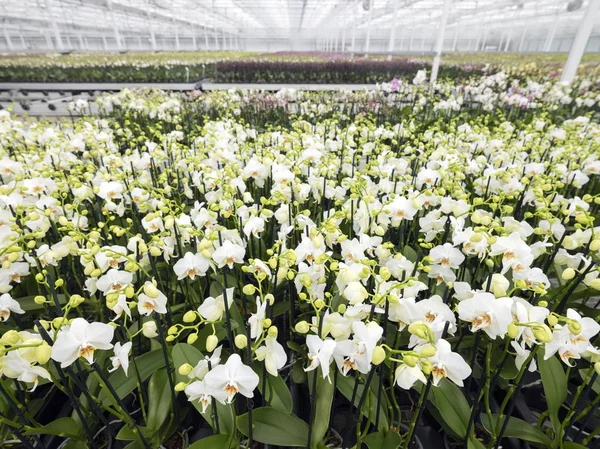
(376, 26)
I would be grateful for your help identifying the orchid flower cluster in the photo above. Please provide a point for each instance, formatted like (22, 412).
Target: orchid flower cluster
(222, 260)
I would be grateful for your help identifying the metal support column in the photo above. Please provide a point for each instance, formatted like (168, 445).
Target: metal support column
(522, 41)
(368, 41)
(440, 42)
(551, 34)
(392, 32)
(9, 43)
(580, 42)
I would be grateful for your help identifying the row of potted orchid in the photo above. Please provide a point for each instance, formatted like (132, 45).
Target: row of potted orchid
(284, 67)
(224, 270)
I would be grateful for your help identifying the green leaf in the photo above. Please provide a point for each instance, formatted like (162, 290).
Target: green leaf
(73, 444)
(519, 429)
(324, 398)
(572, 445)
(586, 377)
(159, 399)
(127, 434)
(383, 440)
(270, 426)
(62, 427)
(346, 386)
(277, 395)
(453, 406)
(183, 353)
(212, 442)
(147, 364)
(554, 382)
(225, 413)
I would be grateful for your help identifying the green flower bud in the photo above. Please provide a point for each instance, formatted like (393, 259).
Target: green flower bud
(189, 317)
(428, 351)
(574, 327)
(419, 328)
(542, 333)
(273, 331)
(191, 339)
(385, 273)
(378, 355)
(513, 330)
(302, 327)
(249, 289)
(180, 386)
(185, 369)
(411, 360)
(150, 290)
(568, 274)
(211, 342)
(241, 341)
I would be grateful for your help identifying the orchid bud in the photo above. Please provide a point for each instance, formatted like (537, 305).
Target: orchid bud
(150, 290)
(302, 327)
(595, 245)
(378, 355)
(185, 369)
(270, 298)
(568, 274)
(211, 342)
(543, 303)
(10, 337)
(574, 327)
(43, 352)
(39, 300)
(342, 308)
(520, 283)
(513, 330)
(273, 332)
(191, 339)
(189, 317)
(241, 341)
(155, 251)
(149, 329)
(75, 300)
(595, 284)
(267, 323)
(249, 289)
(180, 386)
(552, 320)
(426, 367)
(428, 351)
(172, 330)
(97, 272)
(411, 360)
(542, 333)
(419, 328)
(385, 273)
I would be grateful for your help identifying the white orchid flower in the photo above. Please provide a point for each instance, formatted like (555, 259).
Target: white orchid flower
(121, 357)
(225, 381)
(273, 354)
(320, 353)
(8, 305)
(81, 339)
